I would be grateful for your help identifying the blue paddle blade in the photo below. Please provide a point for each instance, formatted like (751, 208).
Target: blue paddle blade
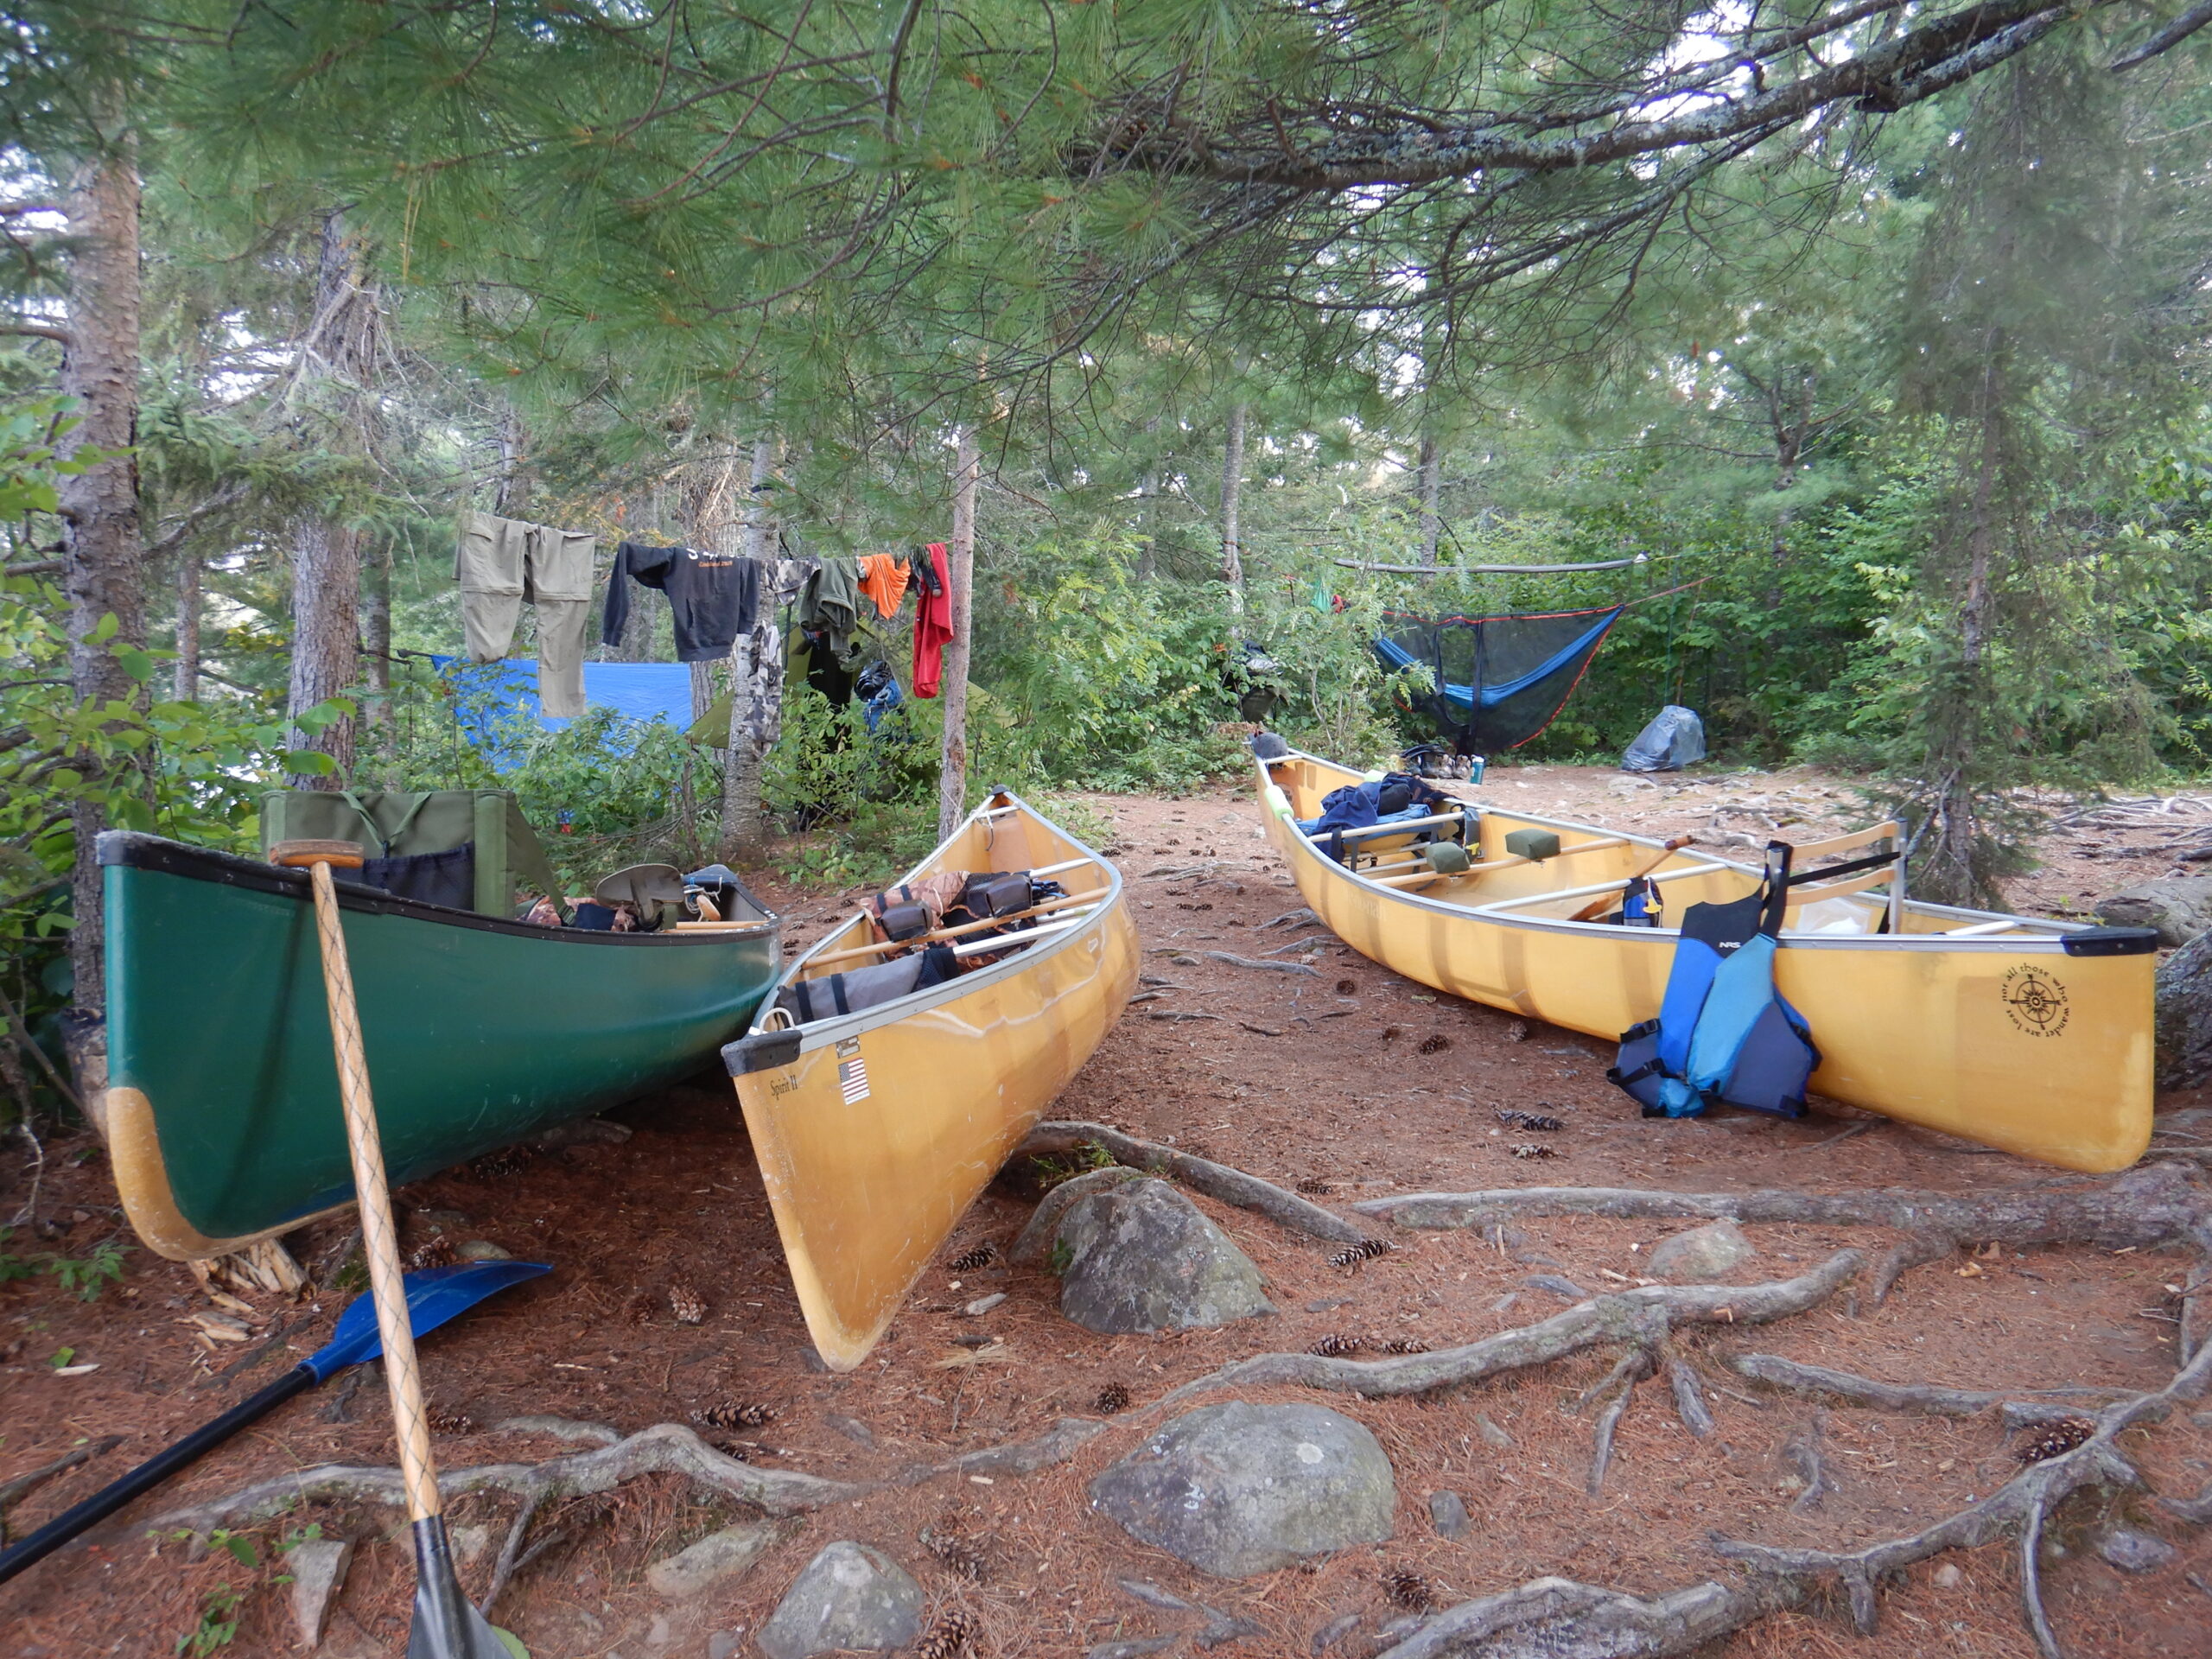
(434, 1295)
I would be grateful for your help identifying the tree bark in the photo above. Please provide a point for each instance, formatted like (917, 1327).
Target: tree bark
(756, 671)
(186, 686)
(1432, 493)
(512, 501)
(337, 360)
(1232, 492)
(376, 639)
(952, 775)
(101, 554)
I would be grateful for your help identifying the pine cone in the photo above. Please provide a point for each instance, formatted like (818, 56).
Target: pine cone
(960, 1555)
(1517, 1032)
(1366, 1250)
(1402, 1345)
(968, 1261)
(733, 1414)
(448, 1423)
(949, 1637)
(507, 1160)
(639, 1310)
(1313, 1186)
(1347, 988)
(688, 1307)
(1409, 1591)
(1519, 1120)
(2056, 1440)
(1534, 1149)
(1111, 1398)
(1337, 1346)
(436, 1251)
(1435, 1042)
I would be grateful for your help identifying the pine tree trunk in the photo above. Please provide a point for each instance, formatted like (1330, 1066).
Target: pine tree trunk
(756, 701)
(101, 552)
(512, 501)
(186, 687)
(1232, 493)
(337, 359)
(952, 775)
(376, 639)
(1432, 495)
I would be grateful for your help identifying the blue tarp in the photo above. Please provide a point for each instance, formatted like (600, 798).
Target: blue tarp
(494, 692)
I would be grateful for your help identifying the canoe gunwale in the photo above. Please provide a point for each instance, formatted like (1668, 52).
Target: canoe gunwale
(135, 849)
(2039, 935)
(765, 1046)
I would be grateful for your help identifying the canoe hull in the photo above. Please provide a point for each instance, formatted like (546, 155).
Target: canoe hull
(222, 1109)
(2010, 1043)
(875, 1133)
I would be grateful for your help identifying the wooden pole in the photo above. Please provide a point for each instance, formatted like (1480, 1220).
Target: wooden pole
(952, 776)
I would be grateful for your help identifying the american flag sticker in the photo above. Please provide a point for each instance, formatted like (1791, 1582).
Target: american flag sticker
(852, 1072)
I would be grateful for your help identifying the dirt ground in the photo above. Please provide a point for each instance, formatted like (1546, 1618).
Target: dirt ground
(1385, 1088)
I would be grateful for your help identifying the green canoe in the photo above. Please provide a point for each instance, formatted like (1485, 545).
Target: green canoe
(221, 1111)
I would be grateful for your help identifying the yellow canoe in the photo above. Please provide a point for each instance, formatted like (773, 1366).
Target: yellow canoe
(2028, 1035)
(875, 1130)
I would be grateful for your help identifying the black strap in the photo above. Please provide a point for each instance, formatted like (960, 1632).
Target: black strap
(1804, 878)
(1776, 891)
(838, 993)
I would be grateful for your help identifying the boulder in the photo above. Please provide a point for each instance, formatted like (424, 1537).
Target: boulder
(318, 1570)
(2179, 907)
(847, 1598)
(1140, 1257)
(1447, 1513)
(715, 1559)
(2135, 1552)
(1238, 1489)
(1701, 1254)
(2184, 1015)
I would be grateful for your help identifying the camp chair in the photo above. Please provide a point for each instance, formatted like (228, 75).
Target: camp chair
(393, 825)
(654, 891)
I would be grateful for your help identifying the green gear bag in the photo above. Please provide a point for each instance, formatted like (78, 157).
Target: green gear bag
(393, 824)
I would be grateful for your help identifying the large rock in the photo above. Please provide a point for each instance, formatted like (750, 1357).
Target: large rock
(716, 1559)
(847, 1598)
(2184, 1016)
(1140, 1257)
(1239, 1489)
(1701, 1254)
(2179, 907)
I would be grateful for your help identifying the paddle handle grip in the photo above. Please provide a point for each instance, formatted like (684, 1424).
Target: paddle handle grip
(379, 1232)
(151, 1474)
(1598, 906)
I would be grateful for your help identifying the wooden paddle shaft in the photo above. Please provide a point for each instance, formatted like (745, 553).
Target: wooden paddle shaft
(1591, 911)
(379, 1234)
(961, 932)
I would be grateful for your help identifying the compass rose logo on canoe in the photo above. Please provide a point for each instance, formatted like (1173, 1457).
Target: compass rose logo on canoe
(2034, 1001)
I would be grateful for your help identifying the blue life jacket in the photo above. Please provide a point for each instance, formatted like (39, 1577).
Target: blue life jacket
(1723, 1033)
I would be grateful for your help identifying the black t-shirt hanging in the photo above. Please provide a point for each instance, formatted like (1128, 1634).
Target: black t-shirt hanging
(715, 596)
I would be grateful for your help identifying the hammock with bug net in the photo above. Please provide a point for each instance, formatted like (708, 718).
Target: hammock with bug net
(1497, 680)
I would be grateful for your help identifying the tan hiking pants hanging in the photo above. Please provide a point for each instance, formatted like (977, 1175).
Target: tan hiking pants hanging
(504, 564)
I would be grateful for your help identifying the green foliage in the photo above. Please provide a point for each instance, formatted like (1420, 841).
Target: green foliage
(83, 1277)
(219, 1622)
(86, 1277)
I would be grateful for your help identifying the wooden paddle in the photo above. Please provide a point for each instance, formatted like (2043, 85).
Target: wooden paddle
(964, 929)
(1599, 906)
(447, 1625)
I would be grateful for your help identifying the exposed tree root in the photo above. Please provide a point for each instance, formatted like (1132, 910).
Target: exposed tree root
(1560, 1618)
(667, 1448)
(1788, 1373)
(2140, 1207)
(1634, 1367)
(1642, 1317)
(1233, 1186)
(1689, 1398)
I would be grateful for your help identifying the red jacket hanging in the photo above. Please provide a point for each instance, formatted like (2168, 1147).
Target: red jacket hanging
(932, 625)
